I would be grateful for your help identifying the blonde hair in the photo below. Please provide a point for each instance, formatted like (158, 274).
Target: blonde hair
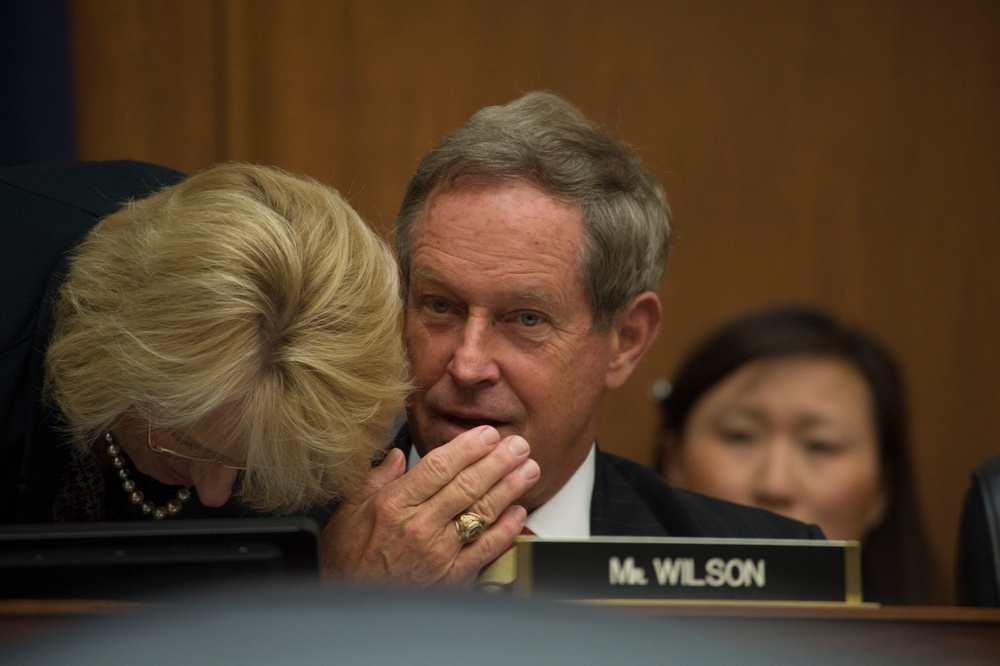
(248, 288)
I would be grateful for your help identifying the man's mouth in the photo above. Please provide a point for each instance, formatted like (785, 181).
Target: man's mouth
(473, 422)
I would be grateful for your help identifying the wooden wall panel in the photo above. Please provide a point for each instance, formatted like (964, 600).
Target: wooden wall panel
(844, 154)
(146, 81)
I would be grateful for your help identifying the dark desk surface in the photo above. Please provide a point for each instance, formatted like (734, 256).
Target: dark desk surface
(929, 634)
(946, 634)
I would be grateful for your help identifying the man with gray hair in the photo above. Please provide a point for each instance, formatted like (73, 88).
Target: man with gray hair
(532, 245)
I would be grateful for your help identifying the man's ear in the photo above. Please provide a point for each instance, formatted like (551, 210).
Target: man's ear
(632, 336)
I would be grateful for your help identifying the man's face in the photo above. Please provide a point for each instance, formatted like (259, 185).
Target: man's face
(498, 327)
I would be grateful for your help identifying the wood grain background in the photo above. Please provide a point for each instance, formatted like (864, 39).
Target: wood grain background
(839, 153)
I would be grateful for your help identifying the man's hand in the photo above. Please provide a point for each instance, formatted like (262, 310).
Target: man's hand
(399, 527)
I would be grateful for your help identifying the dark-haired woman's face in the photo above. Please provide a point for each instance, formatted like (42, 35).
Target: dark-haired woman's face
(795, 436)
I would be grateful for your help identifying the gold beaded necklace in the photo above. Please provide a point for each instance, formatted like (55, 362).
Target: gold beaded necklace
(171, 508)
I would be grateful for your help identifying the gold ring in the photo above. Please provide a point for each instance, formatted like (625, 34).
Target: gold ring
(469, 525)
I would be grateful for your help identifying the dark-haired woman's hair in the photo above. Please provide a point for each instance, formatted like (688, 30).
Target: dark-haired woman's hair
(896, 565)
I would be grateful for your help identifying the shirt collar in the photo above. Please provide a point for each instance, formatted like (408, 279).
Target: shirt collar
(567, 513)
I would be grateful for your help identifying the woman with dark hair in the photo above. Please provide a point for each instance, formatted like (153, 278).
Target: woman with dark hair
(790, 410)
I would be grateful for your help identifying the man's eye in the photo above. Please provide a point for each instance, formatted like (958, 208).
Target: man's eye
(439, 305)
(530, 319)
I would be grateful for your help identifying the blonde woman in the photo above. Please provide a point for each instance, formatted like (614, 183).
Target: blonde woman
(228, 344)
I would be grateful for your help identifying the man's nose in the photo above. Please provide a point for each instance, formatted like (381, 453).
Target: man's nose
(474, 359)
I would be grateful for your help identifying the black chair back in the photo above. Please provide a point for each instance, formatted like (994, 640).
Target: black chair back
(978, 575)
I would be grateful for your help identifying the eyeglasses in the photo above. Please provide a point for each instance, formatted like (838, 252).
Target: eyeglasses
(188, 453)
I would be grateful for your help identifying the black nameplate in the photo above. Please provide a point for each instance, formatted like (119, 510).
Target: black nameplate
(604, 568)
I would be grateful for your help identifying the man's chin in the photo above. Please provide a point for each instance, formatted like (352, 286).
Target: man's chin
(532, 499)
(428, 439)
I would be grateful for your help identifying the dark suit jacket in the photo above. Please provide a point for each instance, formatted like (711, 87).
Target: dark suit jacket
(632, 500)
(978, 562)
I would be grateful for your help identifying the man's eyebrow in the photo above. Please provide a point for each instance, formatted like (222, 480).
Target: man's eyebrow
(534, 294)
(429, 275)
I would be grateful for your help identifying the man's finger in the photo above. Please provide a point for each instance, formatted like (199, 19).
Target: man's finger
(477, 484)
(391, 468)
(440, 467)
(490, 545)
(506, 491)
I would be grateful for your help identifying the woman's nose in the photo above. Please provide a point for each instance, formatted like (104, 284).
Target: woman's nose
(774, 483)
(214, 484)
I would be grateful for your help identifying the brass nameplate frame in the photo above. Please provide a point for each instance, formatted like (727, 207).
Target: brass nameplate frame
(717, 570)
